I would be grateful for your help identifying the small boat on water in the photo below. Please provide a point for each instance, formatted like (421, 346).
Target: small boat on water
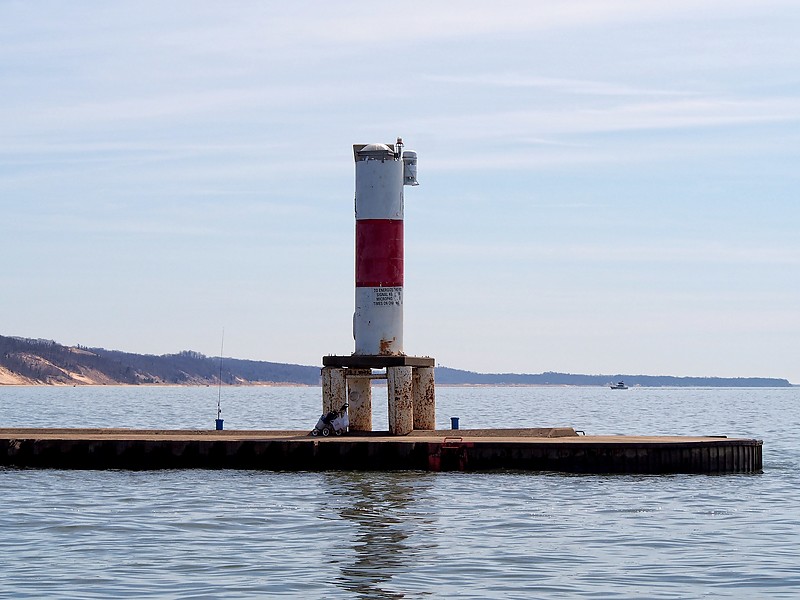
(619, 386)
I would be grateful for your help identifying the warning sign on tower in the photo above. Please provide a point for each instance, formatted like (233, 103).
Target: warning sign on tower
(387, 296)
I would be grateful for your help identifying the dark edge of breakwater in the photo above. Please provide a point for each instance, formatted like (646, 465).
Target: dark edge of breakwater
(552, 450)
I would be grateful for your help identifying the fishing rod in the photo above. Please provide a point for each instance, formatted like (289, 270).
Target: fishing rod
(219, 383)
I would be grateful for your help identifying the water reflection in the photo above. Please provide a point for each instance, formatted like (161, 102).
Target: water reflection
(380, 506)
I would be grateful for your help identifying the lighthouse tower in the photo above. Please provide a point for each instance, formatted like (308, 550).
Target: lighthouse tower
(382, 172)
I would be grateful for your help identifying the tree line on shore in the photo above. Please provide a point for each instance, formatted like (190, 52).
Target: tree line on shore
(47, 362)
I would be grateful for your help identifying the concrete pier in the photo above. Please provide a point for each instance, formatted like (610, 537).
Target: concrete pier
(334, 389)
(424, 399)
(410, 386)
(401, 400)
(545, 449)
(359, 394)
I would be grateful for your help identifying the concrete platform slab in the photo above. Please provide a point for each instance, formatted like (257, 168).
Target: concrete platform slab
(537, 449)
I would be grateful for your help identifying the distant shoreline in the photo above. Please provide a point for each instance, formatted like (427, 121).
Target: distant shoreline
(45, 362)
(438, 385)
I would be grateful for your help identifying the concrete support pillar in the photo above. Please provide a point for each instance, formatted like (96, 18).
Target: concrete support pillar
(401, 404)
(359, 392)
(334, 389)
(424, 399)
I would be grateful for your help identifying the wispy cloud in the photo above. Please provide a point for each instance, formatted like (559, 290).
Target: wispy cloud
(566, 86)
(667, 114)
(418, 20)
(688, 252)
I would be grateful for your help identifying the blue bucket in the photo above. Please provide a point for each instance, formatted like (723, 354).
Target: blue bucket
(219, 424)
(453, 422)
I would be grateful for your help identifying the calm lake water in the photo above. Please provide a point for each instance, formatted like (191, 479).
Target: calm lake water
(252, 534)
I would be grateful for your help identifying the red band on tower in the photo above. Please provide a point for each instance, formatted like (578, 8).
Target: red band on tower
(379, 253)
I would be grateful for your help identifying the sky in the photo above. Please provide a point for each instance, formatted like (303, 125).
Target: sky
(606, 186)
